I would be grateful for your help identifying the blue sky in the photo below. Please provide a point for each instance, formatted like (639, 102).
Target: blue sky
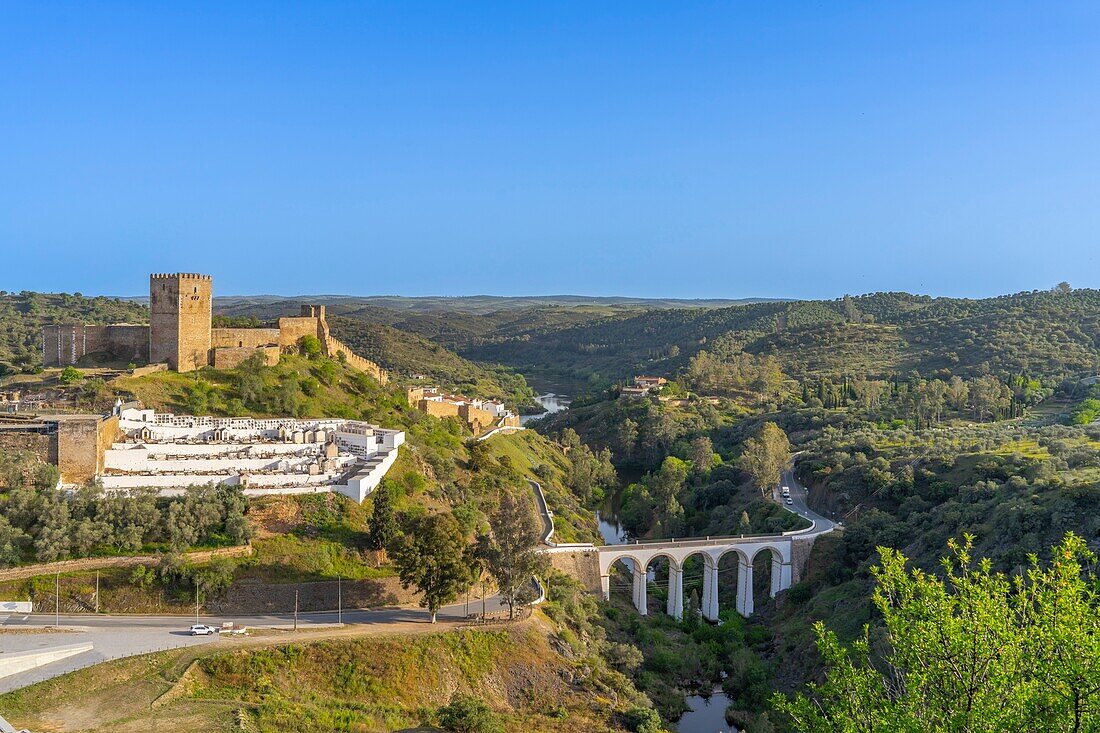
(652, 149)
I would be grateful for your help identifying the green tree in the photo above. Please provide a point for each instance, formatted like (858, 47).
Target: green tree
(701, 455)
(643, 720)
(310, 345)
(46, 476)
(383, 529)
(765, 456)
(431, 556)
(12, 540)
(53, 538)
(972, 651)
(510, 554)
(180, 525)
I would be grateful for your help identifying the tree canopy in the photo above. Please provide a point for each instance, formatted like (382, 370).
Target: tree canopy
(975, 650)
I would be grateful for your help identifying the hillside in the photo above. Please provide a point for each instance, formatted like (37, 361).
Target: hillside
(341, 684)
(311, 539)
(22, 316)
(406, 354)
(1054, 333)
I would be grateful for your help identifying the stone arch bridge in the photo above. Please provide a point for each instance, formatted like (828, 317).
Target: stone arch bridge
(788, 555)
(789, 552)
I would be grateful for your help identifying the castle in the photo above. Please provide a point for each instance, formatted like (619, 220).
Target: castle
(180, 333)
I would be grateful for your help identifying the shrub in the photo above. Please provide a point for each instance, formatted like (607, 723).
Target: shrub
(310, 346)
(643, 720)
(70, 375)
(466, 714)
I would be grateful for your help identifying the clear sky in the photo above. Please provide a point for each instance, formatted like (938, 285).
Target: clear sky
(674, 149)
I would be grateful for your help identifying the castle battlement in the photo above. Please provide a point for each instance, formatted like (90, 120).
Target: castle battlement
(180, 276)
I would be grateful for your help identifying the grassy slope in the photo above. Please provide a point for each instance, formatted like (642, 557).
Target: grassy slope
(528, 450)
(363, 685)
(407, 353)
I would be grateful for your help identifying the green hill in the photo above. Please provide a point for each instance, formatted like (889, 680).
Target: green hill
(1054, 333)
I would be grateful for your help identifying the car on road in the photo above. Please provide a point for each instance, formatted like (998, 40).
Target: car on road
(203, 630)
(790, 500)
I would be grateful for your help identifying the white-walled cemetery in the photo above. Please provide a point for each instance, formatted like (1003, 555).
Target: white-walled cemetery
(264, 456)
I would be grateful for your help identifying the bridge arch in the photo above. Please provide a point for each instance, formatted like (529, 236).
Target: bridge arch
(681, 552)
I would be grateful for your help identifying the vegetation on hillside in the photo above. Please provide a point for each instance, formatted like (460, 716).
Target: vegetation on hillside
(1051, 333)
(407, 354)
(975, 650)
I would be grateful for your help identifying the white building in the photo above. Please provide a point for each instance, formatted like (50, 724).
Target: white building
(264, 456)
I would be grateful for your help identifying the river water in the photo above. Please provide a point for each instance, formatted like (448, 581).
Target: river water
(551, 402)
(707, 715)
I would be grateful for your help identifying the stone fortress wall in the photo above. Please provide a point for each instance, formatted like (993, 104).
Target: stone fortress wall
(180, 333)
(67, 344)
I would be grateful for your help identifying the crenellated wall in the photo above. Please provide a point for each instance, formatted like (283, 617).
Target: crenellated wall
(180, 334)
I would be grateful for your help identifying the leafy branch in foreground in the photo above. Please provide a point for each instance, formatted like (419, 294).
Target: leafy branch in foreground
(974, 651)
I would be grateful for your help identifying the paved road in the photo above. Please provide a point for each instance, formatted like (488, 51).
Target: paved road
(800, 496)
(116, 636)
(544, 511)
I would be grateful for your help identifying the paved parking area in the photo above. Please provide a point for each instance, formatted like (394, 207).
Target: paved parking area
(107, 644)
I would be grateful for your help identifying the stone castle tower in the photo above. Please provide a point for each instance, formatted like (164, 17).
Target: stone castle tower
(179, 320)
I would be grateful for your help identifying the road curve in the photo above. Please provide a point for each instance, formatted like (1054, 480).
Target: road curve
(800, 496)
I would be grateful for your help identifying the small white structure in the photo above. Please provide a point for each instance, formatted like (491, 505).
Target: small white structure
(264, 456)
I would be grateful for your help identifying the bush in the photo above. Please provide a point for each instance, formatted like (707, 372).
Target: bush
(643, 720)
(466, 714)
(70, 375)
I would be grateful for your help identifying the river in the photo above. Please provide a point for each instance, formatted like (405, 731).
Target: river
(551, 402)
(707, 715)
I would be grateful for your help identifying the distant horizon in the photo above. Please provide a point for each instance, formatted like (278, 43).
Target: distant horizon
(574, 296)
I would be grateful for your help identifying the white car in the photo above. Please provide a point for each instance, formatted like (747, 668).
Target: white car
(790, 500)
(202, 630)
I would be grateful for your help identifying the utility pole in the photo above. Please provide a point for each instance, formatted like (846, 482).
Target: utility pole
(57, 600)
(97, 591)
(340, 599)
(295, 609)
(196, 603)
